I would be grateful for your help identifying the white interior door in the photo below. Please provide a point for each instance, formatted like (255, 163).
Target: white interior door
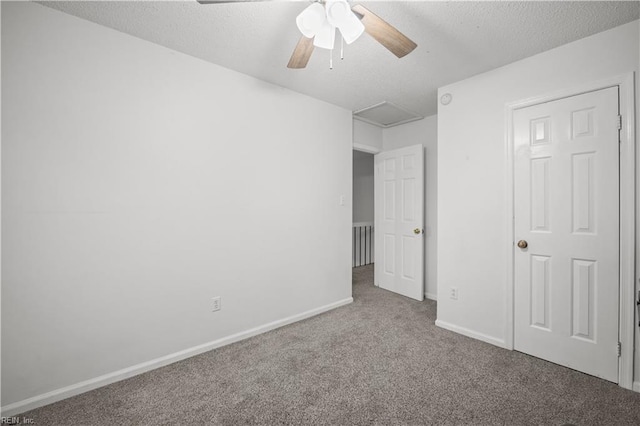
(566, 178)
(399, 221)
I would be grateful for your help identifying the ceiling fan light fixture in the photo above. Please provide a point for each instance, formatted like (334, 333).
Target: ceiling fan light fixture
(311, 20)
(352, 29)
(339, 15)
(319, 21)
(337, 11)
(326, 36)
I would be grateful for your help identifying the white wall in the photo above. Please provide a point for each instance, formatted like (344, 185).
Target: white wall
(472, 222)
(137, 184)
(363, 188)
(423, 132)
(0, 211)
(367, 137)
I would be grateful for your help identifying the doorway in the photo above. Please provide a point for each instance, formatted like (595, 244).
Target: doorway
(363, 209)
(362, 246)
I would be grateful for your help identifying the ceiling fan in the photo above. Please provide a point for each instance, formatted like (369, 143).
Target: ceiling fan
(319, 21)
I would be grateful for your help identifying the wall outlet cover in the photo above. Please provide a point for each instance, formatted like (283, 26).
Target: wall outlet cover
(453, 293)
(216, 303)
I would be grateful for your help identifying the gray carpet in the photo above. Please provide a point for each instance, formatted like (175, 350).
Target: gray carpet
(380, 360)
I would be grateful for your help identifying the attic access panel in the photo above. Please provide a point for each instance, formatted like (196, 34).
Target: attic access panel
(385, 114)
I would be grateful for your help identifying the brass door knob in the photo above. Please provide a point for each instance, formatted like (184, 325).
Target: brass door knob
(417, 231)
(522, 244)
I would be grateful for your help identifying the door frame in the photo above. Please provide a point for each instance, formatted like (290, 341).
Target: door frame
(366, 148)
(626, 323)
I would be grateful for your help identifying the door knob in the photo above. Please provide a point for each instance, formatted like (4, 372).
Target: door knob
(522, 244)
(417, 231)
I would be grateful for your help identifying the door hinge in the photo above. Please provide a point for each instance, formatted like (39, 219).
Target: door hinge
(638, 305)
(619, 349)
(619, 122)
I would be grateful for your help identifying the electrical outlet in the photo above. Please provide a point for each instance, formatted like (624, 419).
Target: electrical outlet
(453, 293)
(217, 303)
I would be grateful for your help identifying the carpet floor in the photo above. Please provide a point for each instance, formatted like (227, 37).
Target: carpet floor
(378, 361)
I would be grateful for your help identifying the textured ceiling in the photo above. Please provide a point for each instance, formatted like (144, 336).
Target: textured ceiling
(455, 40)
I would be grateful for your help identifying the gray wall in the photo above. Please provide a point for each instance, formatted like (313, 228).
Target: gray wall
(362, 187)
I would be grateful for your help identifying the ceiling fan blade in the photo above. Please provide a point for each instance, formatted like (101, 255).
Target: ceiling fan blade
(399, 44)
(301, 53)
(235, 1)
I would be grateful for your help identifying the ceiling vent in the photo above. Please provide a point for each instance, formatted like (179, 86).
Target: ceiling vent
(385, 114)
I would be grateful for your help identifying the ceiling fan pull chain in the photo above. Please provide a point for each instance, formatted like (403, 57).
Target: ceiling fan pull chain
(330, 59)
(341, 47)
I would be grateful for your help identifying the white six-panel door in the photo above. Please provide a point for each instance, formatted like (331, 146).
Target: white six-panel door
(399, 218)
(566, 178)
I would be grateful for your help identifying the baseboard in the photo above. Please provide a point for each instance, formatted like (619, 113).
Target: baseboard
(636, 386)
(431, 296)
(125, 373)
(470, 333)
